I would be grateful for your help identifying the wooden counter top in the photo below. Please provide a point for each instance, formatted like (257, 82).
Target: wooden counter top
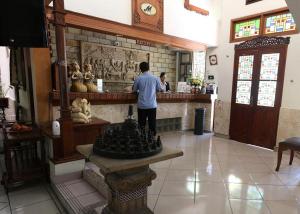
(126, 98)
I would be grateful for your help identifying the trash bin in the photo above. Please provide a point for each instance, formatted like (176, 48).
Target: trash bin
(199, 121)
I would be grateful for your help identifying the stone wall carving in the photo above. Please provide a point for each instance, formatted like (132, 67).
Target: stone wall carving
(111, 63)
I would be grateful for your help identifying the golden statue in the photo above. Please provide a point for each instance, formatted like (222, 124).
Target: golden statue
(89, 78)
(81, 111)
(77, 77)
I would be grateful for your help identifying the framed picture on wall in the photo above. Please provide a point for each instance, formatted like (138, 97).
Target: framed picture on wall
(213, 60)
(252, 1)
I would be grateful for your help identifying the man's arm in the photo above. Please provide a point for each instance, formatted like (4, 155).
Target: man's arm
(135, 87)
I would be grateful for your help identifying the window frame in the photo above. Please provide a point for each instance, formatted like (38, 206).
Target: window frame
(262, 17)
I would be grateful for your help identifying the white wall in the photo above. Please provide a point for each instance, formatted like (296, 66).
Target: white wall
(4, 68)
(5, 72)
(114, 10)
(177, 20)
(294, 7)
(225, 51)
(5, 80)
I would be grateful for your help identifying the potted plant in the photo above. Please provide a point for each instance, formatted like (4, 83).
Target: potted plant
(195, 82)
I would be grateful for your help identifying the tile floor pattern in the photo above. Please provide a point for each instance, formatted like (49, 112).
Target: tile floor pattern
(29, 200)
(221, 176)
(215, 176)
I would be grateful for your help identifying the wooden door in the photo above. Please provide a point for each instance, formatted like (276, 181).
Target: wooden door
(257, 90)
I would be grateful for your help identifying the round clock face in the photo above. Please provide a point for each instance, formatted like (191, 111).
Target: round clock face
(213, 60)
(148, 9)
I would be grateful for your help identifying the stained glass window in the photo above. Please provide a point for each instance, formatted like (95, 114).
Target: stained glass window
(266, 23)
(243, 92)
(268, 79)
(279, 23)
(245, 67)
(266, 93)
(269, 66)
(244, 83)
(247, 28)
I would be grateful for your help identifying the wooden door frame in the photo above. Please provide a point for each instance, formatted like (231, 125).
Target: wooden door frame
(260, 44)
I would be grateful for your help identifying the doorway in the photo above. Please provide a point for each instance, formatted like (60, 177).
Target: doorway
(258, 76)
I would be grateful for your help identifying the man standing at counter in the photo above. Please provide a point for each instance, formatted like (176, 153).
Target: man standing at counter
(146, 85)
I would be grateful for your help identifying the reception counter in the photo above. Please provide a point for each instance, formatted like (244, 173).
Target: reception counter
(113, 107)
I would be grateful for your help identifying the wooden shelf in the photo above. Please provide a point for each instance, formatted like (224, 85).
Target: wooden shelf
(82, 134)
(128, 98)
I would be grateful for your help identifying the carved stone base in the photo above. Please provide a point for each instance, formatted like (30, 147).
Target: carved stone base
(129, 191)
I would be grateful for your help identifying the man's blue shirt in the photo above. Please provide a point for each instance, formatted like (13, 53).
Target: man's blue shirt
(146, 85)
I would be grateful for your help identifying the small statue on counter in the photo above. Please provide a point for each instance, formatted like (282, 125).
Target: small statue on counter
(77, 77)
(89, 78)
(81, 111)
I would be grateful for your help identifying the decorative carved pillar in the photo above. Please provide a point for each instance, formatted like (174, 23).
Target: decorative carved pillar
(65, 120)
(128, 190)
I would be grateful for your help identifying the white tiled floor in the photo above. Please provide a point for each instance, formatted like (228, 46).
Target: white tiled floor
(215, 176)
(220, 176)
(29, 200)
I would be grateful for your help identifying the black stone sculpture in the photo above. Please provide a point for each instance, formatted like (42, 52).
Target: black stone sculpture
(127, 142)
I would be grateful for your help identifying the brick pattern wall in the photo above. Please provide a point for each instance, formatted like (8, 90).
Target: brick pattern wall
(161, 58)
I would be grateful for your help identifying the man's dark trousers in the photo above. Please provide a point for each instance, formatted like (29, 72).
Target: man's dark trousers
(143, 114)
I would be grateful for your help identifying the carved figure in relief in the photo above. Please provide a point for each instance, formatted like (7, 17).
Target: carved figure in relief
(130, 67)
(77, 78)
(89, 78)
(114, 71)
(99, 69)
(81, 111)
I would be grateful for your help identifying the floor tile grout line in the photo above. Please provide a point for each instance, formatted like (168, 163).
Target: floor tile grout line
(5, 207)
(225, 186)
(162, 185)
(28, 205)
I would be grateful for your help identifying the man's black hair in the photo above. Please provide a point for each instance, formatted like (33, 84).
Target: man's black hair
(162, 74)
(144, 66)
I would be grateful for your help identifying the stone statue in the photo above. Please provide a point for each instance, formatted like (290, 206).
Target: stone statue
(76, 77)
(89, 78)
(81, 111)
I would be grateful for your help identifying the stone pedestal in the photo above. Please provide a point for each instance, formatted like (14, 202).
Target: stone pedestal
(128, 180)
(129, 191)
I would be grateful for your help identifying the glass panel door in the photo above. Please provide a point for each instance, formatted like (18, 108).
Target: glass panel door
(244, 80)
(268, 79)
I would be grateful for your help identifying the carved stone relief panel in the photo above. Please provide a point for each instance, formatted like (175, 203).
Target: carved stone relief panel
(113, 64)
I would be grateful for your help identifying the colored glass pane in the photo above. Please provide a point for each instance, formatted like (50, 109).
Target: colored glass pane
(245, 67)
(269, 66)
(247, 28)
(243, 92)
(266, 93)
(280, 23)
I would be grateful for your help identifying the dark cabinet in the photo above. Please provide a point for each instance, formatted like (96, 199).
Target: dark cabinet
(24, 156)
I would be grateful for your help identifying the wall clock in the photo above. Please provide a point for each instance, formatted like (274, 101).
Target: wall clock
(213, 60)
(148, 14)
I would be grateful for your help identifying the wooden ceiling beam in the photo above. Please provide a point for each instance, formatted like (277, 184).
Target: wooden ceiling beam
(101, 25)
